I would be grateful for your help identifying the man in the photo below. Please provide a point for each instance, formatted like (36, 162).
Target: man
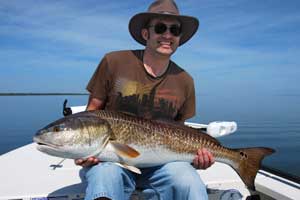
(147, 83)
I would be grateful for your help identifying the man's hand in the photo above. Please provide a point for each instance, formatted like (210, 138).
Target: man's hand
(87, 162)
(203, 159)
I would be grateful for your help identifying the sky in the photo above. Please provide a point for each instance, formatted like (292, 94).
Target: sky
(242, 47)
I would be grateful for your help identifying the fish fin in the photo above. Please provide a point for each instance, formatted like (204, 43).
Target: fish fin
(124, 149)
(249, 163)
(129, 167)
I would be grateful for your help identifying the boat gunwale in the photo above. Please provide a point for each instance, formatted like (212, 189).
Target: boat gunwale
(283, 176)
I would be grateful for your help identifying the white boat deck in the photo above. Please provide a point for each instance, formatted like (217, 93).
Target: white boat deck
(28, 174)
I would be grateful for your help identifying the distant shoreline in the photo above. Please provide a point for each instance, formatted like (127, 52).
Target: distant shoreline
(39, 94)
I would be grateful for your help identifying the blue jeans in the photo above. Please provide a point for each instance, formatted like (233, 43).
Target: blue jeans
(175, 180)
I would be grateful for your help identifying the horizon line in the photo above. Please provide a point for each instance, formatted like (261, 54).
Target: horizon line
(40, 93)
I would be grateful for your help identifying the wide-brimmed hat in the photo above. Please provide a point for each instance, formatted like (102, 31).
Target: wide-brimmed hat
(165, 9)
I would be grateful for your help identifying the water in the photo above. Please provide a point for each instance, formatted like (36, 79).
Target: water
(22, 116)
(273, 124)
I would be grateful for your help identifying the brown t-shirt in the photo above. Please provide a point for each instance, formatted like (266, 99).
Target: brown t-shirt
(122, 82)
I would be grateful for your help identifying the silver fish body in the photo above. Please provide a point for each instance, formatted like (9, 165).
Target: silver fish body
(134, 141)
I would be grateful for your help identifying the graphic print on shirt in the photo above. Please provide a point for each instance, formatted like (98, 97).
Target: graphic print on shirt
(145, 100)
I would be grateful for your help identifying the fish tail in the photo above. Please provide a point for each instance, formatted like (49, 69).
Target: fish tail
(249, 162)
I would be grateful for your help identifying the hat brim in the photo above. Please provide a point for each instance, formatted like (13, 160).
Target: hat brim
(189, 25)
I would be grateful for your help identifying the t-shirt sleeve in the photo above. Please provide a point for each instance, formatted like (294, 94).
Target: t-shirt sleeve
(189, 106)
(99, 84)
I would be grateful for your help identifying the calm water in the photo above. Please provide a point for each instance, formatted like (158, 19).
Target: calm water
(262, 122)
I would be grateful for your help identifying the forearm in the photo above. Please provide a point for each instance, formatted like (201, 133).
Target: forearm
(95, 104)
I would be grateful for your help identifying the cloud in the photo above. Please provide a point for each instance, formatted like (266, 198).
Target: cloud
(234, 36)
(239, 35)
(58, 44)
(65, 24)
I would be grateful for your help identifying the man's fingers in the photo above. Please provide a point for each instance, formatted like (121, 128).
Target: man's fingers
(91, 161)
(211, 158)
(206, 159)
(88, 162)
(198, 160)
(79, 161)
(203, 159)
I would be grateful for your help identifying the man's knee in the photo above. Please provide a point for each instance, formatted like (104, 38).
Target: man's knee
(183, 176)
(107, 181)
(105, 169)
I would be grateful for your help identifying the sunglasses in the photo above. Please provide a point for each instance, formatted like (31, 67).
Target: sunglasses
(161, 28)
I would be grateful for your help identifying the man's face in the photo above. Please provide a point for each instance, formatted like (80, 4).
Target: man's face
(165, 42)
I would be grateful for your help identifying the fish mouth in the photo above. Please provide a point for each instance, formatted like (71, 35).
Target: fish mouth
(41, 143)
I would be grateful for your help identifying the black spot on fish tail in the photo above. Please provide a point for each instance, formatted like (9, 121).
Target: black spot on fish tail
(249, 162)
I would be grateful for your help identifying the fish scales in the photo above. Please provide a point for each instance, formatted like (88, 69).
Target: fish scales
(131, 140)
(141, 132)
(148, 132)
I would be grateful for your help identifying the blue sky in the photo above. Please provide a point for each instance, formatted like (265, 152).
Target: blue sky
(242, 48)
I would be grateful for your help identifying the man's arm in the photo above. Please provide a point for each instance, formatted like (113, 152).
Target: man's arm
(93, 104)
(203, 158)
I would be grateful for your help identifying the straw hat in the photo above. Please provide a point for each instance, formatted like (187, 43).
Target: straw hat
(162, 8)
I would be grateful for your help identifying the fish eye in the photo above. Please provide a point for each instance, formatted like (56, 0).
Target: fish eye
(56, 129)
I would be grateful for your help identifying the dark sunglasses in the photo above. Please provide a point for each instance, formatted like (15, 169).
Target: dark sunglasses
(161, 28)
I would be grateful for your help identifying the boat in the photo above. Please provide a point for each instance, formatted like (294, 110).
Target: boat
(27, 174)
